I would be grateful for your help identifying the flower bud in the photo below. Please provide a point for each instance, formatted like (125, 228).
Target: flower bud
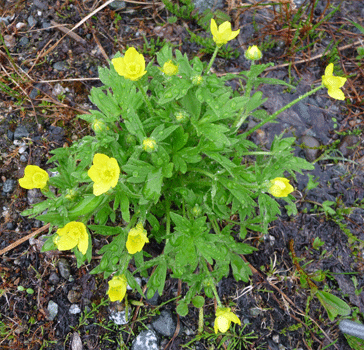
(149, 145)
(197, 80)
(253, 53)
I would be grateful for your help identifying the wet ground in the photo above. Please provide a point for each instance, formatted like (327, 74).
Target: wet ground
(49, 77)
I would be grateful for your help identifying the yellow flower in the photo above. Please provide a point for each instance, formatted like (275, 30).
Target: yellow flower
(253, 53)
(104, 173)
(149, 145)
(117, 288)
(131, 66)
(223, 319)
(223, 34)
(72, 235)
(280, 187)
(333, 84)
(137, 237)
(169, 68)
(34, 177)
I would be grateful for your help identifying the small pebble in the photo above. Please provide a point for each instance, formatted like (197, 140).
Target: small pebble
(52, 310)
(74, 309)
(64, 268)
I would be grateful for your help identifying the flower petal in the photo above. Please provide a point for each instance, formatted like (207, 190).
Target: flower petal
(100, 188)
(336, 94)
(83, 242)
(329, 70)
(213, 27)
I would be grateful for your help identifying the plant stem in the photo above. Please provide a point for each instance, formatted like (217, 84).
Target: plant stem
(212, 60)
(145, 96)
(274, 115)
(212, 284)
(200, 321)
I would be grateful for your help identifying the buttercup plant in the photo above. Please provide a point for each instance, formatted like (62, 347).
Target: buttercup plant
(168, 164)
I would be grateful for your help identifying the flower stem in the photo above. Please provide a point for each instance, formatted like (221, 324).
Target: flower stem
(212, 284)
(274, 115)
(212, 60)
(145, 96)
(200, 320)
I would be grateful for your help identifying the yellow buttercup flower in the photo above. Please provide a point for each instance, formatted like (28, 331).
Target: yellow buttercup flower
(149, 145)
(34, 177)
(104, 173)
(72, 235)
(280, 187)
(117, 288)
(223, 319)
(169, 68)
(223, 34)
(253, 53)
(131, 66)
(333, 84)
(137, 237)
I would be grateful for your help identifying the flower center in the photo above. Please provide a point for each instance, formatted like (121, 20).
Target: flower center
(133, 68)
(108, 175)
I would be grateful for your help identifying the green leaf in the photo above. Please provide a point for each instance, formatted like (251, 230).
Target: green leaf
(243, 195)
(333, 305)
(106, 230)
(178, 89)
(198, 301)
(182, 309)
(191, 104)
(153, 185)
(241, 269)
(255, 101)
(134, 125)
(106, 103)
(158, 278)
(132, 282)
(49, 244)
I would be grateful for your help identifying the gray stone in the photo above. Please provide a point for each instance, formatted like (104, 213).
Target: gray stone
(40, 4)
(255, 311)
(61, 65)
(64, 268)
(74, 309)
(5, 20)
(118, 316)
(346, 146)
(146, 340)
(9, 185)
(24, 157)
(10, 226)
(52, 310)
(73, 296)
(32, 21)
(76, 343)
(165, 324)
(154, 299)
(310, 149)
(10, 135)
(46, 24)
(203, 5)
(53, 278)
(34, 196)
(117, 5)
(20, 132)
(34, 93)
(24, 41)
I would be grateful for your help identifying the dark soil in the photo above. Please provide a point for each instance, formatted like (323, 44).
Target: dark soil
(49, 77)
